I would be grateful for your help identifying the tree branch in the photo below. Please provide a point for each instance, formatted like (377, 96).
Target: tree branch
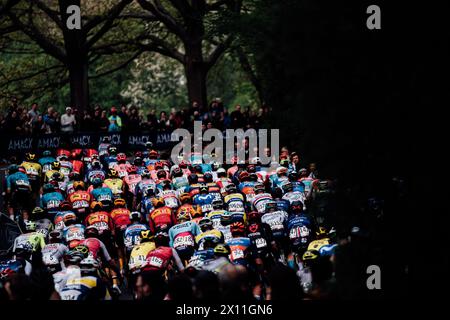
(161, 46)
(39, 38)
(122, 65)
(216, 5)
(32, 75)
(165, 18)
(9, 4)
(54, 15)
(217, 52)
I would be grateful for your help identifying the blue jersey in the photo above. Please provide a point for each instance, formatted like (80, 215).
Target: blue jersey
(46, 163)
(283, 204)
(51, 201)
(299, 230)
(110, 161)
(95, 173)
(103, 194)
(144, 185)
(146, 206)
(239, 248)
(298, 186)
(182, 236)
(204, 201)
(18, 181)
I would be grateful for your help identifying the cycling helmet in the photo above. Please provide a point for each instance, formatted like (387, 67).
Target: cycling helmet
(225, 219)
(148, 144)
(96, 206)
(91, 232)
(293, 176)
(37, 211)
(97, 182)
(310, 255)
(221, 250)
(96, 164)
(161, 174)
(231, 188)
(153, 154)
(281, 171)
(13, 168)
(47, 153)
(145, 235)
(176, 171)
(185, 198)
(145, 174)
(183, 216)
(69, 218)
(215, 166)
(296, 206)
(78, 185)
(113, 173)
(243, 176)
(55, 236)
(65, 206)
(30, 225)
(30, 156)
(119, 203)
(253, 216)
(221, 172)
(271, 206)
(205, 224)
(135, 216)
(89, 265)
(287, 186)
(158, 202)
(48, 187)
(74, 176)
(121, 157)
(237, 227)
(58, 176)
(132, 169)
(207, 177)
(112, 150)
(76, 154)
(259, 188)
(73, 257)
(193, 178)
(83, 249)
(159, 165)
(217, 204)
(56, 165)
(321, 232)
(203, 188)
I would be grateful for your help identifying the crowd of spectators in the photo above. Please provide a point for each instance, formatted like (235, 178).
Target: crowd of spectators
(38, 120)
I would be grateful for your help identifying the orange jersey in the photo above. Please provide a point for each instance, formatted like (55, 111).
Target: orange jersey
(80, 199)
(101, 220)
(161, 216)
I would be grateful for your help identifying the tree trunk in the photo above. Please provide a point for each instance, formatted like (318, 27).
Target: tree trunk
(79, 86)
(195, 71)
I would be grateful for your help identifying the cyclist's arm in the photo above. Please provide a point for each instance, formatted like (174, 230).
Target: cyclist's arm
(177, 260)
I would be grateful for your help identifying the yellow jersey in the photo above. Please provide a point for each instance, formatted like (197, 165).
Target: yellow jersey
(139, 254)
(33, 170)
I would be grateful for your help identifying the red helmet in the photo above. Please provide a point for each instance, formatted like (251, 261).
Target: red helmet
(237, 227)
(243, 176)
(76, 154)
(138, 154)
(253, 216)
(132, 169)
(159, 165)
(65, 205)
(121, 157)
(153, 154)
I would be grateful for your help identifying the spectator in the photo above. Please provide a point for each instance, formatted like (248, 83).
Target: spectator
(68, 121)
(237, 118)
(104, 121)
(115, 121)
(134, 120)
(33, 113)
(49, 120)
(123, 114)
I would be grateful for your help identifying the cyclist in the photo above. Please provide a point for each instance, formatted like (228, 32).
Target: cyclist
(102, 193)
(43, 224)
(204, 199)
(239, 244)
(277, 220)
(51, 200)
(66, 165)
(120, 216)
(182, 236)
(95, 171)
(169, 195)
(28, 242)
(299, 228)
(122, 165)
(76, 160)
(53, 252)
(46, 161)
(130, 183)
(80, 199)
(234, 200)
(34, 172)
(140, 251)
(110, 160)
(261, 198)
(145, 184)
(73, 176)
(73, 233)
(114, 183)
(55, 167)
(18, 191)
(132, 232)
(162, 216)
(209, 237)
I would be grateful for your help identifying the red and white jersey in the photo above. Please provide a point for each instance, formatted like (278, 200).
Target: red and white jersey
(132, 181)
(259, 201)
(121, 168)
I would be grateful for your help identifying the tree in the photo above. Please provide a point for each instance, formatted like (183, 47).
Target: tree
(73, 50)
(186, 22)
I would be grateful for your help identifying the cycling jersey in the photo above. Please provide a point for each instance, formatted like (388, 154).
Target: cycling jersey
(188, 208)
(46, 163)
(160, 258)
(260, 235)
(110, 161)
(97, 249)
(122, 169)
(205, 202)
(44, 226)
(103, 149)
(51, 201)
(132, 233)
(121, 218)
(161, 217)
(95, 173)
(259, 201)
(182, 236)
(139, 254)
(77, 166)
(215, 216)
(66, 168)
(299, 230)
(30, 242)
(294, 196)
(80, 201)
(144, 185)
(239, 248)
(53, 253)
(18, 182)
(116, 186)
(131, 181)
(33, 170)
(235, 202)
(214, 236)
(170, 198)
(283, 204)
(85, 288)
(73, 234)
(180, 183)
(100, 220)
(277, 221)
(104, 195)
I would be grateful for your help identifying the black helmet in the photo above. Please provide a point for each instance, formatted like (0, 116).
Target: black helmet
(193, 178)
(207, 177)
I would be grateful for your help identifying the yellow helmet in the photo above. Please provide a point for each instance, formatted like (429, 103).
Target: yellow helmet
(145, 235)
(321, 232)
(158, 202)
(78, 185)
(96, 204)
(310, 255)
(221, 249)
(185, 197)
(30, 156)
(119, 202)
